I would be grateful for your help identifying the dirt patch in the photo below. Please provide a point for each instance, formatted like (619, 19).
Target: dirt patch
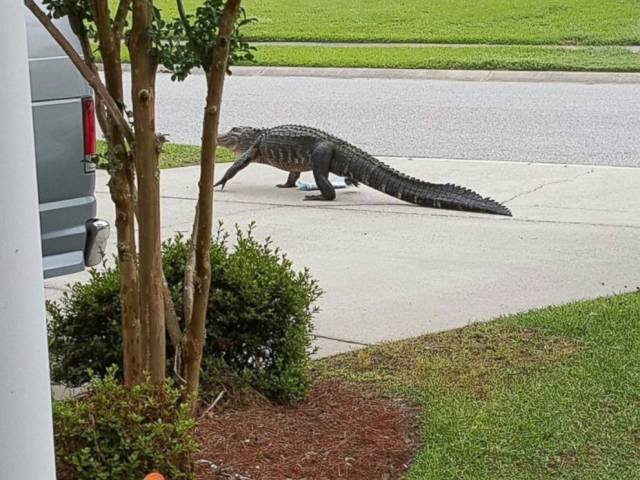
(340, 431)
(476, 361)
(472, 360)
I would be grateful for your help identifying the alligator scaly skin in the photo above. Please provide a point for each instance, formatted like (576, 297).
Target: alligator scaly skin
(297, 148)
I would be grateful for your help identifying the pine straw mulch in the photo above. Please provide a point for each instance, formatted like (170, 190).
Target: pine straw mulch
(339, 431)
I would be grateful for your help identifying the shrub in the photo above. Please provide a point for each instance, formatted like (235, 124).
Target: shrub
(259, 320)
(85, 331)
(114, 433)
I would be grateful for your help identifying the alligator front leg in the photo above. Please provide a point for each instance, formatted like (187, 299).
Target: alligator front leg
(321, 161)
(291, 180)
(242, 162)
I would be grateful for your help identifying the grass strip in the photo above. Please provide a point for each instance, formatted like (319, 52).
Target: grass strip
(173, 155)
(602, 59)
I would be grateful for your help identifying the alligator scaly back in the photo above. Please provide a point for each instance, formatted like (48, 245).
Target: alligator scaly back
(358, 165)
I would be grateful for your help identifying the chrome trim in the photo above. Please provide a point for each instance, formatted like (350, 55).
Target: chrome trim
(97, 235)
(89, 163)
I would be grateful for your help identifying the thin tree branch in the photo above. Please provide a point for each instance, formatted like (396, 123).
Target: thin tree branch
(107, 124)
(187, 293)
(195, 335)
(121, 17)
(78, 28)
(102, 19)
(187, 28)
(173, 327)
(89, 60)
(183, 17)
(92, 78)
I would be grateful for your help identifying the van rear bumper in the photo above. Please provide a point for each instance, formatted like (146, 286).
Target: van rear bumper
(96, 232)
(63, 264)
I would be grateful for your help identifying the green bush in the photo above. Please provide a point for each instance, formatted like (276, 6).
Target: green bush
(258, 321)
(114, 433)
(85, 330)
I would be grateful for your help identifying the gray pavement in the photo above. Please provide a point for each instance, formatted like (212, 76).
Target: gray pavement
(392, 270)
(512, 118)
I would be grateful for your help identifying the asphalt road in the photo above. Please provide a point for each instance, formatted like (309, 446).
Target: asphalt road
(511, 121)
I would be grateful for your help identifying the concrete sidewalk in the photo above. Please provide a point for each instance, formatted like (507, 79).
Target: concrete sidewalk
(537, 76)
(532, 76)
(391, 270)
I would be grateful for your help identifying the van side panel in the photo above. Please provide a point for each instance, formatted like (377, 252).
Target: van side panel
(65, 190)
(65, 182)
(55, 78)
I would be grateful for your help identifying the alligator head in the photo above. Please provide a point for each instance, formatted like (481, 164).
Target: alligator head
(239, 139)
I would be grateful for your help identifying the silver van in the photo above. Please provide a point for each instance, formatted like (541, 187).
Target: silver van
(65, 142)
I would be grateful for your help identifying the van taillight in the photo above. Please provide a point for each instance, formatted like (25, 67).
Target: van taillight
(89, 126)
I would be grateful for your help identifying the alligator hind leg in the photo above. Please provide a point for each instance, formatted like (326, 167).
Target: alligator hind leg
(291, 180)
(321, 160)
(351, 181)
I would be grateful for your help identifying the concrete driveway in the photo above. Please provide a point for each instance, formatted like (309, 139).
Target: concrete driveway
(392, 270)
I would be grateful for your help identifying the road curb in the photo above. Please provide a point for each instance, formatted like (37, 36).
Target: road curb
(455, 75)
(622, 78)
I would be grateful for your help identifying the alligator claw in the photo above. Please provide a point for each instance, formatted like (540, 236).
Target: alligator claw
(314, 197)
(221, 183)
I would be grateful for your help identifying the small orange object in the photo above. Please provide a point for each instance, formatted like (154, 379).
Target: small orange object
(154, 476)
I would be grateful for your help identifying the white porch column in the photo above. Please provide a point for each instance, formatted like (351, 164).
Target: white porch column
(26, 433)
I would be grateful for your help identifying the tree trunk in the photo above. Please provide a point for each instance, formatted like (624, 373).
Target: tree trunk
(121, 187)
(129, 286)
(195, 335)
(143, 71)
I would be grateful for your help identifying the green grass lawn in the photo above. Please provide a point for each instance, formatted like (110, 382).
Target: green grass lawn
(176, 155)
(472, 58)
(552, 393)
(586, 22)
(523, 29)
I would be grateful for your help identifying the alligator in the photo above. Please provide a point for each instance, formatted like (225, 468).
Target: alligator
(296, 149)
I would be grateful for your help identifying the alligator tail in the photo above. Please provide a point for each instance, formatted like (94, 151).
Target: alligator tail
(383, 178)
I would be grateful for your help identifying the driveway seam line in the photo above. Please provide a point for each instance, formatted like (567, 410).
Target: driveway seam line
(352, 342)
(547, 184)
(435, 213)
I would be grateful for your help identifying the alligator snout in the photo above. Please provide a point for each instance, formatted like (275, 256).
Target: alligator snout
(227, 140)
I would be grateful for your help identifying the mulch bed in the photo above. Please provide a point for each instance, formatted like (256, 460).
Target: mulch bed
(339, 431)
